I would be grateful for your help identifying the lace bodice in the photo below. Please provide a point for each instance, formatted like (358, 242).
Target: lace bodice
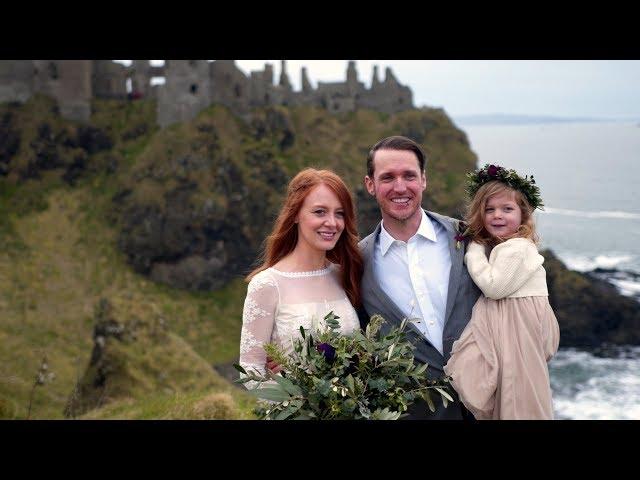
(278, 303)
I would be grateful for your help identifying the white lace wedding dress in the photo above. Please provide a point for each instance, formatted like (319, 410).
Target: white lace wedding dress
(278, 303)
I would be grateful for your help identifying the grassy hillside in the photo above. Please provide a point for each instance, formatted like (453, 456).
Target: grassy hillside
(194, 208)
(49, 290)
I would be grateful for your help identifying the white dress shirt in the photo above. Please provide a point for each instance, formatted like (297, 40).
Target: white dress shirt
(415, 275)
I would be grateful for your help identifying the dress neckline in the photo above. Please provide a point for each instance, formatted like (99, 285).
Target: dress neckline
(311, 273)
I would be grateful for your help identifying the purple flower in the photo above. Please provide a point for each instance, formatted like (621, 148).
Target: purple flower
(463, 234)
(493, 170)
(327, 350)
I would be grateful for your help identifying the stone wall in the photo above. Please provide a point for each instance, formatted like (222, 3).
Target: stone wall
(16, 80)
(191, 86)
(140, 74)
(187, 91)
(229, 86)
(109, 79)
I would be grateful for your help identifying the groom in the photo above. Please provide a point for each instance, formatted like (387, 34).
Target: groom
(413, 268)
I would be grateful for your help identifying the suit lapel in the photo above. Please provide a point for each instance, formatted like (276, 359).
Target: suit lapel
(457, 260)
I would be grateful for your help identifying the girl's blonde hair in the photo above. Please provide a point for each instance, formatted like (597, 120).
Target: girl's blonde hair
(475, 215)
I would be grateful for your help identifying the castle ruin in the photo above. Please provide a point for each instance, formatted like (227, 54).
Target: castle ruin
(191, 86)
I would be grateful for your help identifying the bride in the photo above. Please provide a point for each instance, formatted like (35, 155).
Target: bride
(311, 265)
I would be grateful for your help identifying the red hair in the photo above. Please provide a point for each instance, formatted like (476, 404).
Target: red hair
(284, 236)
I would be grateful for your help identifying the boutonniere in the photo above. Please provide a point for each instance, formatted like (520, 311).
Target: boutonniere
(464, 233)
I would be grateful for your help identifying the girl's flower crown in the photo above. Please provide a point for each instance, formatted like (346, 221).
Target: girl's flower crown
(527, 185)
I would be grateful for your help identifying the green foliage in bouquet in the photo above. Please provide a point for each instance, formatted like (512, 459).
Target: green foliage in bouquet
(334, 376)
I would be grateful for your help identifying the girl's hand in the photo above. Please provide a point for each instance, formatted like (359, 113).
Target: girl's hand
(272, 366)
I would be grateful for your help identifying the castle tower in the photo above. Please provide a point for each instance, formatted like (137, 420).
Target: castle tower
(187, 91)
(108, 79)
(229, 85)
(389, 77)
(16, 80)
(268, 74)
(284, 78)
(374, 79)
(261, 87)
(69, 82)
(141, 77)
(306, 86)
(352, 78)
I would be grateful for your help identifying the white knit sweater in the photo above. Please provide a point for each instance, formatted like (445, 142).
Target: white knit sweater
(514, 269)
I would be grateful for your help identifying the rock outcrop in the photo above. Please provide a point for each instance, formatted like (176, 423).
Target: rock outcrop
(590, 311)
(132, 358)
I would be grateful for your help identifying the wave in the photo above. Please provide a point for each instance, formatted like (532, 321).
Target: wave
(603, 214)
(619, 270)
(588, 387)
(626, 287)
(582, 263)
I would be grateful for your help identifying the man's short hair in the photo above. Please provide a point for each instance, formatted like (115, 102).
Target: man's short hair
(395, 142)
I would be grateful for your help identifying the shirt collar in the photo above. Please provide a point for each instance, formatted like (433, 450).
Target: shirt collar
(425, 230)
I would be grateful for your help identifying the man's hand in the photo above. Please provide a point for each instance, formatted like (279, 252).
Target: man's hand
(272, 366)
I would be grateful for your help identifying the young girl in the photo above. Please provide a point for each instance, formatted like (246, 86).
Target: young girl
(499, 364)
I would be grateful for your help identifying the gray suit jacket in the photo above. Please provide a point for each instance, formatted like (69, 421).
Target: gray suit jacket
(462, 295)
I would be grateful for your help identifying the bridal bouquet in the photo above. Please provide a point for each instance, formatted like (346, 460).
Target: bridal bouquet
(335, 376)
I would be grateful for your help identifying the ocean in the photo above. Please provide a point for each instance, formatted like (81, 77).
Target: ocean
(588, 174)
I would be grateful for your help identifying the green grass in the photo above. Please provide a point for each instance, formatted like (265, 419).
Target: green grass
(182, 406)
(47, 301)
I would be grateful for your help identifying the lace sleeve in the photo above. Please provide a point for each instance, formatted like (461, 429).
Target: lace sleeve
(257, 323)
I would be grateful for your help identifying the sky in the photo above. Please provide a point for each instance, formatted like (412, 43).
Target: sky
(563, 88)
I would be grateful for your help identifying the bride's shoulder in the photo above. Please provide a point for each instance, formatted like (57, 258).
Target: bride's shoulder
(261, 280)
